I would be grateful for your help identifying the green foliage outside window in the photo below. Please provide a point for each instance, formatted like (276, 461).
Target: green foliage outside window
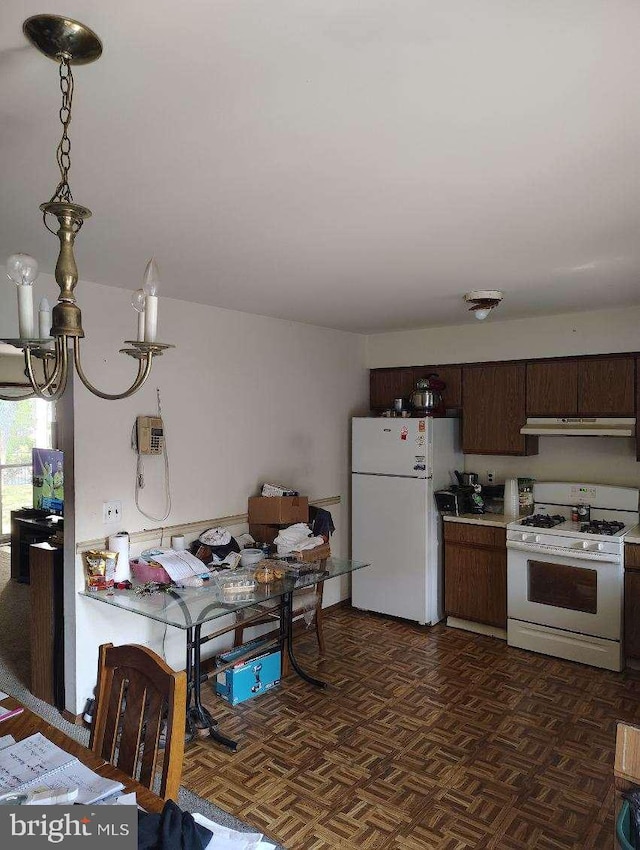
(20, 424)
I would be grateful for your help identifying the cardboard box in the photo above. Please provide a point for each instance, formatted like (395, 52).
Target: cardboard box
(263, 533)
(320, 553)
(250, 678)
(278, 510)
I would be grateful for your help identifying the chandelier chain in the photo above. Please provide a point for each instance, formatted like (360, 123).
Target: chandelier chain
(63, 151)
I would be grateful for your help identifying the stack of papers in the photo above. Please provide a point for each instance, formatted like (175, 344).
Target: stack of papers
(181, 565)
(36, 762)
(224, 838)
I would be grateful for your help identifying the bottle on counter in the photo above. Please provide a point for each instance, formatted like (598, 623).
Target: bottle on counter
(525, 495)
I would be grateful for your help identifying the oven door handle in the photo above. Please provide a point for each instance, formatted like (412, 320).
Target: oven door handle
(578, 554)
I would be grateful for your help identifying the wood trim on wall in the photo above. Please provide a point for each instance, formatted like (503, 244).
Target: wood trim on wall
(198, 527)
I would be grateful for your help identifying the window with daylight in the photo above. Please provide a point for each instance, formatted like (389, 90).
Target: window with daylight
(23, 426)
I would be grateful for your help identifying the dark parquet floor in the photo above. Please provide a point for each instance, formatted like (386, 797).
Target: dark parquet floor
(427, 738)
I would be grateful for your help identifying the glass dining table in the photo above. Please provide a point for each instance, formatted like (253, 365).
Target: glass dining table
(190, 609)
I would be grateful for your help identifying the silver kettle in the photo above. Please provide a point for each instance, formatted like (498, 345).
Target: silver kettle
(426, 395)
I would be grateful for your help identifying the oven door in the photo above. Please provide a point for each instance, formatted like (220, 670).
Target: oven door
(574, 593)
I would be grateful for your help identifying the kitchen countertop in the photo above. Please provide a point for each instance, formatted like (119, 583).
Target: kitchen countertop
(633, 536)
(494, 520)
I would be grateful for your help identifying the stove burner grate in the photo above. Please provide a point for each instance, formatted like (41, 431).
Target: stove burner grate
(543, 520)
(601, 526)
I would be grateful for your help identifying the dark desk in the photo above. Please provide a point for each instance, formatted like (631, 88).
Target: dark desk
(28, 527)
(190, 609)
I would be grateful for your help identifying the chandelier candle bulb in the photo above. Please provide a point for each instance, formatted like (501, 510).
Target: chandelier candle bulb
(138, 303)
(25, 311)
(44, 318)
(151, 319)
(23, 270)
(150, 288)
(141, 326)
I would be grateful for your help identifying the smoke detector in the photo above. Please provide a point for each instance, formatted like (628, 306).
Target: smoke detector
(483, 301)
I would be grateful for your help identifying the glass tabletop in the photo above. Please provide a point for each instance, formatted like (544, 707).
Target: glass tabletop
(187, 607)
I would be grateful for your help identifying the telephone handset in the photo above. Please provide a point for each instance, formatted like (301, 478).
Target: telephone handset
(149, 435)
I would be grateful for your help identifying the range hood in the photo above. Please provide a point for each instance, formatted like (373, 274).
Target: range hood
(574, 426)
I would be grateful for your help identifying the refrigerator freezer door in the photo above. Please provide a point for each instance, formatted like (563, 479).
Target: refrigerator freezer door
(391, 447)
(389, 526)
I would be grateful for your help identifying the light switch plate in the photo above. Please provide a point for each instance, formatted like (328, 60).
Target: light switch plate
(111, 511)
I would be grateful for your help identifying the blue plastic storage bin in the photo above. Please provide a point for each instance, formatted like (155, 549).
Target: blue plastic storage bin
(623, 828)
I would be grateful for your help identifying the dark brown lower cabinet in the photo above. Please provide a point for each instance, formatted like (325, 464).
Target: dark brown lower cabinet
(632, 600)
(475, 573)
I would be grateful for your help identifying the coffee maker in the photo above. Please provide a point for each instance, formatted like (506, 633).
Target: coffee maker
(462, 498)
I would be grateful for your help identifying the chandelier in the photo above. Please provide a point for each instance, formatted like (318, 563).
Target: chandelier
(70, 43)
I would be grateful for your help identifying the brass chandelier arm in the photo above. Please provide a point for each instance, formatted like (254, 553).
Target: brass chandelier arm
(144, 369)
(51, 378)
(56, 384)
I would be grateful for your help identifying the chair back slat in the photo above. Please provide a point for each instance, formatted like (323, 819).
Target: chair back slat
(151, 737)
(115, 694)
(131, 722)
(137, 693)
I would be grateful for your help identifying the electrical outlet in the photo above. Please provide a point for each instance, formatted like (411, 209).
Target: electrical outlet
(491, 476)
(111, 511)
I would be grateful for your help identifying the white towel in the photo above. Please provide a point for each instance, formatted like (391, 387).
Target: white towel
(311, 543)
(290, 538)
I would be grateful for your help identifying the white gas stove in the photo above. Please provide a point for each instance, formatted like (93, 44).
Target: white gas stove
(565, 579)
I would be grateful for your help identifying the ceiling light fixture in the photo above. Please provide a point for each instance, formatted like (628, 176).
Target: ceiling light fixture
(70, 43)
(483, 301)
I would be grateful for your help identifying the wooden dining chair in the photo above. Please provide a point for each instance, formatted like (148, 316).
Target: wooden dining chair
(137, 692)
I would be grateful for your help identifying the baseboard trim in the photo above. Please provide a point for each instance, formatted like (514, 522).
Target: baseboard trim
(76, 719)
(478, 628)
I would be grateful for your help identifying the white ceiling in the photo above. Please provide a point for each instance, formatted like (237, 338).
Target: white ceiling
(352, 164)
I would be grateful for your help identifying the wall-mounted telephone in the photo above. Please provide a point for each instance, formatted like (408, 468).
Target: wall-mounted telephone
(149, 435)
(148, 438)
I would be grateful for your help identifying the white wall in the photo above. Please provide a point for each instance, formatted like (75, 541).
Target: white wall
(598, 332)
(245, 399)
(591, 460)
(599, 460)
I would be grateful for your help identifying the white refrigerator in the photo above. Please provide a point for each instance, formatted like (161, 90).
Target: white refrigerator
(397, 464)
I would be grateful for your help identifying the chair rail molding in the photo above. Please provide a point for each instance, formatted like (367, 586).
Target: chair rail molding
(159, 534)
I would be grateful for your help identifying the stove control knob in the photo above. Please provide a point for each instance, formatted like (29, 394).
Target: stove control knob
(585, 545)
(536, 538)
(600, 547)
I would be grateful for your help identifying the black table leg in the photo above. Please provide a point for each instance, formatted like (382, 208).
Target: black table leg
(198, 717)
(286, 631)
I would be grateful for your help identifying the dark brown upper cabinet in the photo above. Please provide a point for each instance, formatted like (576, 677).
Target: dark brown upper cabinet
(552, 388)
(606, 386)
(452, 377)
(493, 399)
(637, 408)
(389, 384)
